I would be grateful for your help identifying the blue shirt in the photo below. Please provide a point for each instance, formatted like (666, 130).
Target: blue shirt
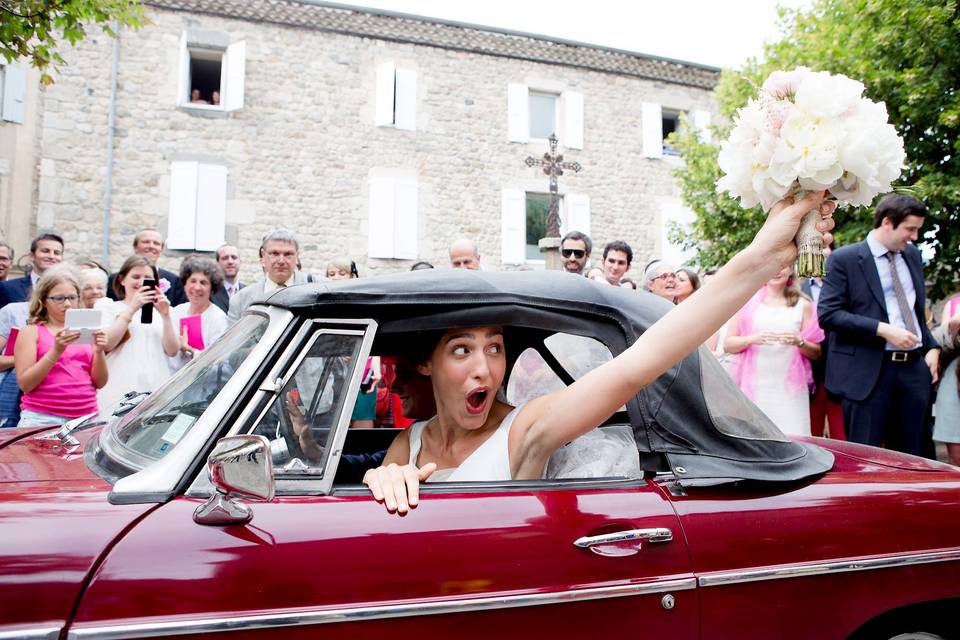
(894, 316)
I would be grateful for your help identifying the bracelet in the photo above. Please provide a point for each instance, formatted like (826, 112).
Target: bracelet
(126, 317)
(802, 343)
(47, 357)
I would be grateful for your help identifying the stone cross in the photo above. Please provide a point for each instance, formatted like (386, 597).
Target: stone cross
(553, 165)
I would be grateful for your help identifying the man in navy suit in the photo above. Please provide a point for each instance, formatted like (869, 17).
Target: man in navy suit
(46, 250)
(883, 358)
(228, 257)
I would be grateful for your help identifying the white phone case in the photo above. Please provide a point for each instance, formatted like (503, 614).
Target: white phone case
(86, 321)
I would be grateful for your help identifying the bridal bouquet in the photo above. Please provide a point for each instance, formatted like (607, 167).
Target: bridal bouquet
(810, 131)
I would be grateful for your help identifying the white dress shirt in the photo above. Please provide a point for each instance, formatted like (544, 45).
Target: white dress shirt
(894, 316)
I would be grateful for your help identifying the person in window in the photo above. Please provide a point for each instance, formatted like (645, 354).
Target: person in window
(201, 278)
(59, 378)
(477, 437)
(195, 97)
(216, 97)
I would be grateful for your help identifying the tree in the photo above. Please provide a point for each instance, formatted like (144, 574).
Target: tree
(906, 55)
(34, 29)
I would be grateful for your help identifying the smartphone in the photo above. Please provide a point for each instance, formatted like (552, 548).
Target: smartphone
(146, 311)
(86, 321)
(367, 383)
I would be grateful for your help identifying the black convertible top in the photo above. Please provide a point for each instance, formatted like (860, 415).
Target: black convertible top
(693, 417)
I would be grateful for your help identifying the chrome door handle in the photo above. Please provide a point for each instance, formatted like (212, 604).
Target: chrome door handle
(659, 534)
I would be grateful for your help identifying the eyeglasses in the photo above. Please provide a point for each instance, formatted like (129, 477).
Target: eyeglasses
(62, 299)
(579, 253)
(664, 277)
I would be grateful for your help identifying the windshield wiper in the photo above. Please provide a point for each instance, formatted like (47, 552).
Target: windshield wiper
(129, 400)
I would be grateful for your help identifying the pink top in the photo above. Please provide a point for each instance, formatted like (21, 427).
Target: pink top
(67, 390)
(953, 305)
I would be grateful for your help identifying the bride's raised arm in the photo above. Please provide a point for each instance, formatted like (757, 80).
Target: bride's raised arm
(549, 422)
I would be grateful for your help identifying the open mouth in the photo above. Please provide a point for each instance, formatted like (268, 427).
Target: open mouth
(476, 400)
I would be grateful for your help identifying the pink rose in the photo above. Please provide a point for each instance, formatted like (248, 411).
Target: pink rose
(164, 285)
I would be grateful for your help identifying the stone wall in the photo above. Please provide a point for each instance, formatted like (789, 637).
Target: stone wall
(300, 151)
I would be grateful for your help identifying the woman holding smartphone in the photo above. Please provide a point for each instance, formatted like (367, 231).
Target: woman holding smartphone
(59, 378)
(140, 333)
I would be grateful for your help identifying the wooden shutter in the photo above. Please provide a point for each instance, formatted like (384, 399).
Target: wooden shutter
(386, 79)
(513, 226)
(380, 231)
(573, 120)
(181, 221)
(652, 130)
(211, 206)
(518, 113)
(406, 99)
(14, 93)
(183, 82)
(701, 120)
(232, 76)
(578, 213)
(406, 229)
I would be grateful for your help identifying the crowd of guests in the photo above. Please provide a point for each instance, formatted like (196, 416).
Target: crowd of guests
(849, 356)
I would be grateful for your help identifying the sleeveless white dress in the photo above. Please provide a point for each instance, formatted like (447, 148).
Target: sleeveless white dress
(789, 410)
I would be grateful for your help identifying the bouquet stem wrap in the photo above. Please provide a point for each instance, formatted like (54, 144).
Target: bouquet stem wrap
(809, 243)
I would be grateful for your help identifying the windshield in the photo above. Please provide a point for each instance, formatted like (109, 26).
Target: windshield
(153, 429)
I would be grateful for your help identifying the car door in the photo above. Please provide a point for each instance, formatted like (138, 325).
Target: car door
(566, 558)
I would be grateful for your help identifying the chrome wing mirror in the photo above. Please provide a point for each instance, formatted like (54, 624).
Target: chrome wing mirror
(240, 467)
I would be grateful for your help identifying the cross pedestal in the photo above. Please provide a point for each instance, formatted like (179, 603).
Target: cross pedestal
(550, 248)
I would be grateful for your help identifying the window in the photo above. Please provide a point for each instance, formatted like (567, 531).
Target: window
(394, 222)
(13, 90)
(524, 222)
(211, 72)
(669, 122)
(535, 114)
(198, 206)
(658, 123)
(396, 97)
(543, 115)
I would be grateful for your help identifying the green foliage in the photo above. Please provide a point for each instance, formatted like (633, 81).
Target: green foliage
(35, 29)
(906, 55)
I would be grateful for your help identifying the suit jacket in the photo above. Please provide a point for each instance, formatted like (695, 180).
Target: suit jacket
(222, 299)
(254, 293)
(16, 290)
(851, 306)
(175, 294)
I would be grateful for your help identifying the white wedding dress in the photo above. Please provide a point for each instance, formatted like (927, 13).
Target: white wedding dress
(790, 411)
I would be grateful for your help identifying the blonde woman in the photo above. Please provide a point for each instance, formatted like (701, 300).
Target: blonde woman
(59, 378)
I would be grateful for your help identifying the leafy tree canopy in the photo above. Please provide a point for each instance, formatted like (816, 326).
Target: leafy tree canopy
(35, 29)
(906, 54)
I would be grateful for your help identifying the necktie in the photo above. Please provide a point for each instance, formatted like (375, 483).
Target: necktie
(905, 311)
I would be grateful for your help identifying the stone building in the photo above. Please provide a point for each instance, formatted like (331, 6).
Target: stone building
(376, 136)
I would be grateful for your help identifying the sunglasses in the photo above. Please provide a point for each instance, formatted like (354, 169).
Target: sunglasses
(579, 253)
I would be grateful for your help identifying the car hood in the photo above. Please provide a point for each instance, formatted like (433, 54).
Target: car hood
(877, 456)
(56, 525)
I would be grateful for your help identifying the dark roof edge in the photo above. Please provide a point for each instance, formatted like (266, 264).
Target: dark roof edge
(507, 32)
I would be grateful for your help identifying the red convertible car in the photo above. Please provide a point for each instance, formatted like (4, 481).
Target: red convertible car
(197, 510)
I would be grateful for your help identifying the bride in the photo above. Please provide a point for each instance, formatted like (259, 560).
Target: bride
(475, 436)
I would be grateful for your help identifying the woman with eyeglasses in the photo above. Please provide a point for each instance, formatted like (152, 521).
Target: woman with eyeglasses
(59, 377)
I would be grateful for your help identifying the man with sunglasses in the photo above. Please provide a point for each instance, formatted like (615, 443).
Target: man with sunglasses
(575, 249)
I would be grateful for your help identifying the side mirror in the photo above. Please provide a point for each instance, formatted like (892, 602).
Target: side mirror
(239, 467)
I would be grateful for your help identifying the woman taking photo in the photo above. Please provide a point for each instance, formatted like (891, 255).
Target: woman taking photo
(137, 352)
(201, 278)
(777, 335)
(59, 378)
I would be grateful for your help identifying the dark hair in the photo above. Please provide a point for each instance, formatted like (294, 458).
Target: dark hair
(619, 245)
(694, 278)
(633, 285)
(129, 265)
(895, 208)
(581, 237)
(49, 235)
(421, 265)
(709, 271)
(206, 266)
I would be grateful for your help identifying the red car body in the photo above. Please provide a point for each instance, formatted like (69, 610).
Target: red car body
(871, 548)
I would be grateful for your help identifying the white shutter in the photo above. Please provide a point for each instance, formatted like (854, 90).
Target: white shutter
(386, 78)
(233, 70)
(652, 130)
(380, 229)
(573, 125)
(14, 93)
(181, 222)
(406, 99)
(183, 79)
(578, 213)
(518, 113)
(701, 120)
(211, 206)
(406, 229)
(513, 226)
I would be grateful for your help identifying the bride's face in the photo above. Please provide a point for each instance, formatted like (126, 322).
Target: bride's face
(467, 367)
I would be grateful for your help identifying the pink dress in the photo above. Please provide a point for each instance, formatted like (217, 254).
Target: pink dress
(67, 390)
